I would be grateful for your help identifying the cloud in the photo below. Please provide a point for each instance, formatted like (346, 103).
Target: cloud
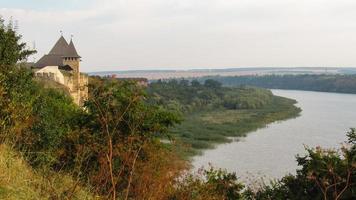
(132, 34)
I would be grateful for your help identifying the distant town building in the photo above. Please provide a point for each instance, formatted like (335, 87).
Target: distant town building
(61, 65)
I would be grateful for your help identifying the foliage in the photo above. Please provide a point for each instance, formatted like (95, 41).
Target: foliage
(158, 173)
(188, 97)
(11, 49)
(204, 129)
(211, 184)
(19, 181)
(212, 112)
(113, 136)
(100, 145)
(14, 115)
(34, 119)
(322, 82)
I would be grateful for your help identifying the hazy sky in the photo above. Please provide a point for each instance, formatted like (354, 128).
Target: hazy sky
(182, 34)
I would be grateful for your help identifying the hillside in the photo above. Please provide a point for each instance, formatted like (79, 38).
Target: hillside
(19, 181)
(52, 149)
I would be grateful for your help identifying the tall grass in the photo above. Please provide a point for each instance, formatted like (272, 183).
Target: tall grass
(19, 181)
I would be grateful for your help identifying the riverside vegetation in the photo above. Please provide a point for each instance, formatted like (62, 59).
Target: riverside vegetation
(51, 149)
(213, 113)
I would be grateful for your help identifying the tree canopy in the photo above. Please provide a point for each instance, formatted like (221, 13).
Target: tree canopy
(12, 50)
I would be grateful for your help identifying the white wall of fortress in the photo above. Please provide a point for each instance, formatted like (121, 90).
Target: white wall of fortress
(51, 71)
(79, 91)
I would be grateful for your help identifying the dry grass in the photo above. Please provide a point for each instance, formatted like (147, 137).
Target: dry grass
(19, 181)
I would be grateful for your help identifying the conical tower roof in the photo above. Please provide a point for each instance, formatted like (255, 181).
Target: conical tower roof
(60, 47)
(70, 51)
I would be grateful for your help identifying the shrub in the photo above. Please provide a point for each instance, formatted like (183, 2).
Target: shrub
(211, 184)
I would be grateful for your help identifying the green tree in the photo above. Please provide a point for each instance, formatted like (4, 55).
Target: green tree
(210, 184)
(113, 134)
(212, 83)
(195, 83)
(11, 49)
(14, 84)
(33, 119)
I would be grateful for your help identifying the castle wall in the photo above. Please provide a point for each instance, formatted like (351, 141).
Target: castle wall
(73, 62)
(75, 90)
(83, 87)
(51, 72)
(76, 83)
(64, 55)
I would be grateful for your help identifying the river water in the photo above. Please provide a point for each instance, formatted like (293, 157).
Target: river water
(270, 152)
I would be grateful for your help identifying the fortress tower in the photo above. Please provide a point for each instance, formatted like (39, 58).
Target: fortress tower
(62, 64)
(71, 57)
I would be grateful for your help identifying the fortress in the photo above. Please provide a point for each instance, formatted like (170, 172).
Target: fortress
(61, 65)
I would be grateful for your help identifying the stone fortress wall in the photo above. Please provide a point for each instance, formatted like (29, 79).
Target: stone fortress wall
(77, 87)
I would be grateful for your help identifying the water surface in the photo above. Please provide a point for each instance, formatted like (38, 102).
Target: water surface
(270, 151)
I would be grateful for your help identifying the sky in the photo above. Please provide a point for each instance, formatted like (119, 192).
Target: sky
(187, 34)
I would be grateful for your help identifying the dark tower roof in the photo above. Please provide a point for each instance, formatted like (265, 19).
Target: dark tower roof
(49, 60)
(60, 47)
(60, 50)
(70, 51)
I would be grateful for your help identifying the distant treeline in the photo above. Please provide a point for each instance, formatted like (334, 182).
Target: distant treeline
(186, 96)
(322, 83)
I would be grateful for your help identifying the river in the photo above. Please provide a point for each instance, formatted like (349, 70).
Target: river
(270, 152)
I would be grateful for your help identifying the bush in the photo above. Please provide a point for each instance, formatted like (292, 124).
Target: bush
(211, 184)
(113, 136)
(192, 97)
(34, 119)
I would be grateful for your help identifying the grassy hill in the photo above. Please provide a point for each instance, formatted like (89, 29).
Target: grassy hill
(19, 181)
